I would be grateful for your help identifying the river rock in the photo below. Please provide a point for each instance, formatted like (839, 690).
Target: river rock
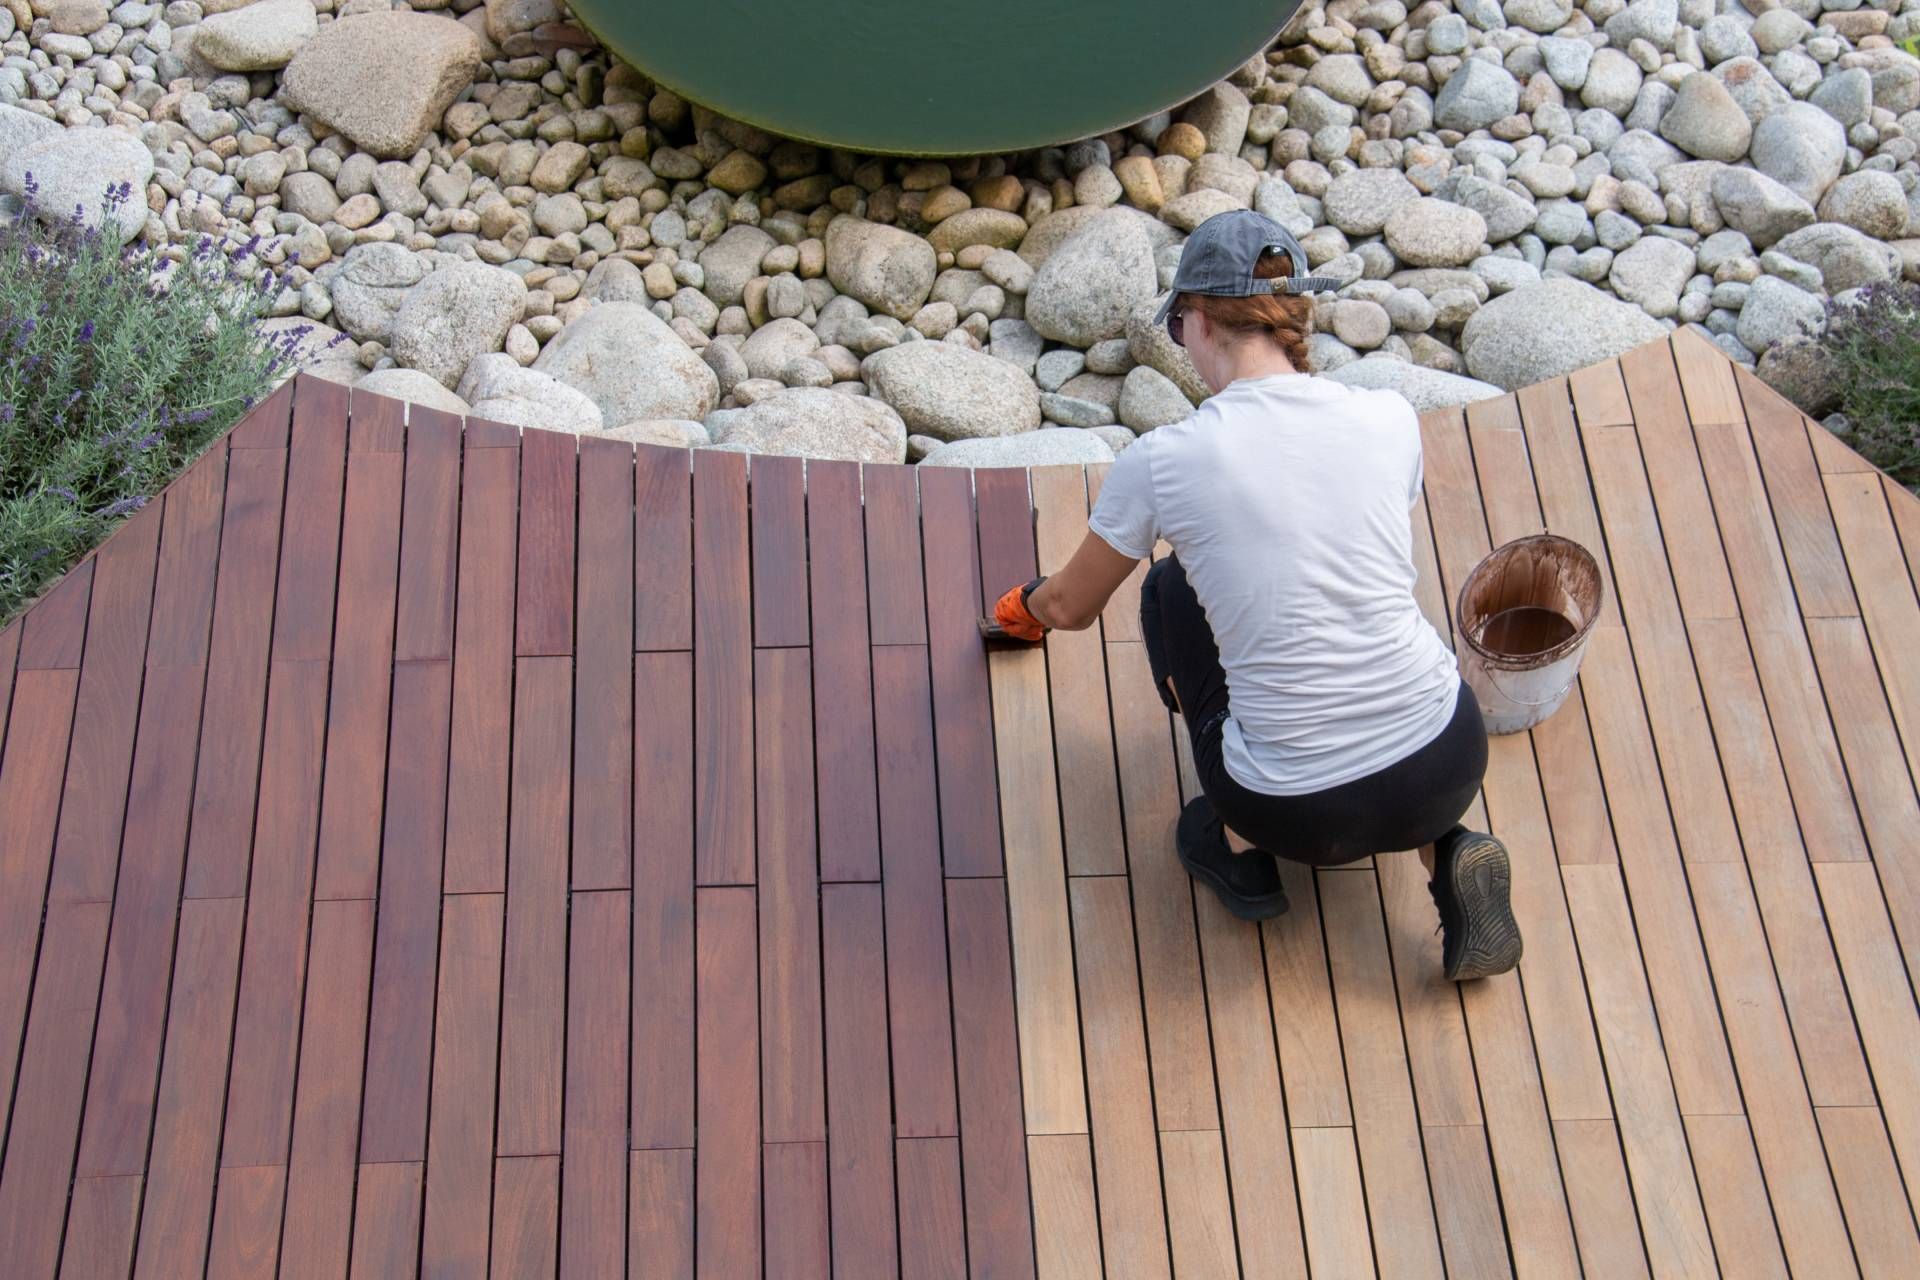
(1847, 96)
(460, 311)
(1359, 202)
(1705, 121)
(775, 345)
(1423, 388)
(1802, 148)
(732, 260)
(1651, 273)
(414, 387)
(890, 270)
(1221, 114)
(1845, 258)
(1505, 212)
(1057, 446)
(671, 433)
(383, 79)
(1545, 330)
(946, 391)
(1085, 290)
(75, 168)
(1751, 202)
(1612, 83)
(1151, 345)
(1799, 368)
(370, 285)
(498, 389)
(814, 422)
(1870, 202)
(1752, 86)
(1650, 20)
(630, 364)
(1149, 399)
(1774, 310)
(261, 37)
(1433, 233)
(1476, 95)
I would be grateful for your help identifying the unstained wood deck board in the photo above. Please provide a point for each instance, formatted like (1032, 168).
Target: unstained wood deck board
(434, 848)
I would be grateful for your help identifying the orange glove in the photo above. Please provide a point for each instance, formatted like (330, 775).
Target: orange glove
(1015, 618)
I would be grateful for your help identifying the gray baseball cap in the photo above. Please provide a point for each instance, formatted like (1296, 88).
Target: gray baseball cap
(1220, 256)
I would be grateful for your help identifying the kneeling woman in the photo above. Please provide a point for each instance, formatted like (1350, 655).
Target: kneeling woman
(1328, 718)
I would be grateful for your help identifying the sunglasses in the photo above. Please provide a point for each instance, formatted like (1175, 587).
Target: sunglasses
(1177, 327)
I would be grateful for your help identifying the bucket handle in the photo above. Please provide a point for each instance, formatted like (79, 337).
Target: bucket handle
(1493, 674)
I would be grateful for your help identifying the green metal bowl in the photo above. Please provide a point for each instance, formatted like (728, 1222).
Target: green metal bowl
(964, 77)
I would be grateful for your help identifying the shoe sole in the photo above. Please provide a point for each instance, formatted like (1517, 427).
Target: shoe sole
(1241, 906)
(1482, 885)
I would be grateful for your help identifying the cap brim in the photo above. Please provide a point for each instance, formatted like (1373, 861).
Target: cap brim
(1166, 308)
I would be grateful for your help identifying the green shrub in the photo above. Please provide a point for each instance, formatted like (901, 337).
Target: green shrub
(1874, 344)
(117, 368)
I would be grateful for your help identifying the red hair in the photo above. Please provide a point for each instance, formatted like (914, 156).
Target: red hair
(1285, 318)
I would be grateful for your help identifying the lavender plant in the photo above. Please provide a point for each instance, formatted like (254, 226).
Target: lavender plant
(117, 367)
(1874, 343)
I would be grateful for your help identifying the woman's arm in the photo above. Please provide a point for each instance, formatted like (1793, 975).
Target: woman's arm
(1071, 599)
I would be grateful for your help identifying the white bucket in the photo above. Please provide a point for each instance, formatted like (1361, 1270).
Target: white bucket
(1524, 614)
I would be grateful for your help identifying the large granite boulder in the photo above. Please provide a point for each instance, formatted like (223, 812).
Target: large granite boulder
(460, 311)
(496, 388)
(1085, 290)
(101, 172)
(1055, 446)
(1423, 388)
(1545, 330)
(814, 422)
(631, 365)
(949, 392)
(888, 269)
(383, 79)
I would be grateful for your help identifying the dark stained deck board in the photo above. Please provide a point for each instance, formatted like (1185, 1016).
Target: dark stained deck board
(490, 1054)
(603, 670)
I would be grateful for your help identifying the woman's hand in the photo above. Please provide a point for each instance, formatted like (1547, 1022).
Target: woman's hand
(1072, 599)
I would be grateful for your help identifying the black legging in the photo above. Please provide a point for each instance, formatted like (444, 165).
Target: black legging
(1411, 802)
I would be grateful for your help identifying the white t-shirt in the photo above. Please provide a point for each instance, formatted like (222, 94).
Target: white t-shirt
(1286, 499)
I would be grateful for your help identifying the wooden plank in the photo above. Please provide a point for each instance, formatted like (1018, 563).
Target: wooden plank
(1333, 1209)
(1602, 1203)
(320, 1176)
(1774, 1089)
(1077, 678)
(1799, 500)
(796, 1207)
(1066, 1233)
(357, 717)
(246, 1222)
(1887, 600)
(482, 673)
(533, 990)
(386, 1225)
(1669, 934)
(188, 566)
(459, 1188)
(859, 1087)
(133, 995)
(1673, 468)
(1706, 379)
(1199, 1211)
(1472, 1235)
(9, 650)
(543, 615)
(1385, 1125)
(399, 1066)
(1672, 1220)
(101, 1221)
(53, 633)
(662, 1109)
(45, 1125)
(933, 1243)
(1253, 1118)
(1560, 476)
(526, 1214)
(1879, 1217)
(1736, 1199)
(593, 1194)
(663, 536)
(182, 1161)
(266, 426)
(897, 603)
(266, 1031)
(919, 1007)
(722, 673)
(660, 1219)
(1050, 1060)
(1119, 1089)
(994, 1158)
(228, 769)
(310, 531)
(603, 670)
(86, 849)
(484, 433)
(1300, 994)
(430, 520)
(1905, 509)
(1882, 1000)
(379, 424)
(1881, 784)
(777, 493)
(792, 1055)
(1006, 522)
(1120, 620)
(843, 741)
(1835, 459)
(962, 705)
(727, 1159)
(1599, 396)
(1438, 1055)
(1162, 899)
(1796, 932)
(41, 721)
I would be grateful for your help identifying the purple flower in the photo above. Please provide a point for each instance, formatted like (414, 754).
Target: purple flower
(86, 332)
(123, 506)
(61, 491)
(6, 411)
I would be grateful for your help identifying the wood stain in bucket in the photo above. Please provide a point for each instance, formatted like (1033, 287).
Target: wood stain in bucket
(1526, 629)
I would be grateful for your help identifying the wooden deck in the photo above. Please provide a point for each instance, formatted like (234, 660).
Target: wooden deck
(466, 852)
